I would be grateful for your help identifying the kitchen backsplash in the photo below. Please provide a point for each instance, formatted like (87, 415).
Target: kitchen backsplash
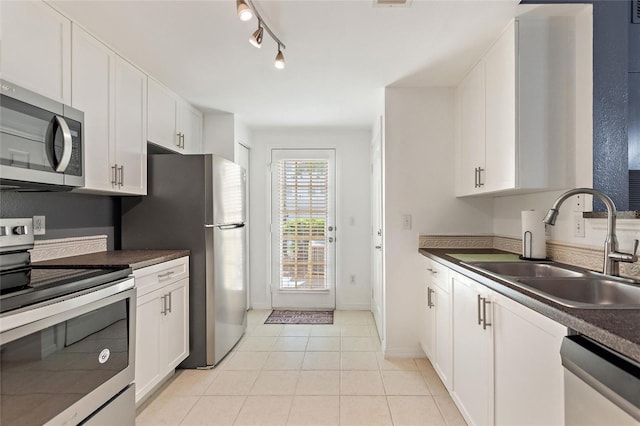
(582, 256)
(64, 247)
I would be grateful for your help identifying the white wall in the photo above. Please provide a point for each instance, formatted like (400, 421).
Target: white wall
(219, 134)
(352, 240)
(420, 181)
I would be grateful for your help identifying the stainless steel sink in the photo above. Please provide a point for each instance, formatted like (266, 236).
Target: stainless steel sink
(525, 269)
(568, 287)
(588, 292)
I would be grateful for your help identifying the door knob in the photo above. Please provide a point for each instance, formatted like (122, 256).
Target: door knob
(330, 239)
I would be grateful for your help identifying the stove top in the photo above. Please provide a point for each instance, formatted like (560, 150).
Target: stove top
(30, 285)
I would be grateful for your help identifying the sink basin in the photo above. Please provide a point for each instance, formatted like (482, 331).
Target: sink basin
(588, 292)
(525, 269)
(568, 287)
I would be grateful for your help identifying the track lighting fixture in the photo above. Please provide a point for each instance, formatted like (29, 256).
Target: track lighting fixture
(256, 38)
(279, 63)
(246, 10)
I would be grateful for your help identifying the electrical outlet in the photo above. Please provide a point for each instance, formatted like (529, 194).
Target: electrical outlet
(578, 205)
(578, 225)
(406, 222)
(38, 225)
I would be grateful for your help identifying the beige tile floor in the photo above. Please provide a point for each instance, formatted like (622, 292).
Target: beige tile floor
(306, 375)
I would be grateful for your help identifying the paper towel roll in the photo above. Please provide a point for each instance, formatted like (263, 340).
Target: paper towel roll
(534, 243)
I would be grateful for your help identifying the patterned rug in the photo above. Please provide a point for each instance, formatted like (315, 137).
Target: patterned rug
(300, 317)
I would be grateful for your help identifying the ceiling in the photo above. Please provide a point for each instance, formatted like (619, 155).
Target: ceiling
(339, 54)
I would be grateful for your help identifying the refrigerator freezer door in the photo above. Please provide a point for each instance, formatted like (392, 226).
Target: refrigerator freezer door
(229, 289)
(227, 190)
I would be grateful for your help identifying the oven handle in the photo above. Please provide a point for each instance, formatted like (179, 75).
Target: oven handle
(30, 319)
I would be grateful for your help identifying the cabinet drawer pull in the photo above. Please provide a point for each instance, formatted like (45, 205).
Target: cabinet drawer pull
(165, 275)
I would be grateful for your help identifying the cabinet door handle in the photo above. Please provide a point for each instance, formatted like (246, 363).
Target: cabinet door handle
(182, 138)
(121, 175)
(475, 177)
(429, 302)
(164, 305)
(485, 324)
(480, 183)
(114, 175)
(170, 302)
(479, 310)
(179, 139)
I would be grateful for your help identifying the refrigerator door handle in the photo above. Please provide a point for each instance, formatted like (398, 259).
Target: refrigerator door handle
(226, 227)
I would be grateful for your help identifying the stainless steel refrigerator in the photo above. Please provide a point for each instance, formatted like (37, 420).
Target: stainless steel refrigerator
(197, 202)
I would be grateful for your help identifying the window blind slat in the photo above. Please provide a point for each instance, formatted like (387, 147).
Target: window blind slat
(303, 212)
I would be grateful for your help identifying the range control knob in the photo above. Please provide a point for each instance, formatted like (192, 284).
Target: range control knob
(20, 230)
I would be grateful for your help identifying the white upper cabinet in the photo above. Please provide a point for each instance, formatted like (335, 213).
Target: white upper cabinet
(514, 111)
(131, 128)
(112, 94)
(93, 68)
(173, 123)
(36, 48)
(471, 138)
(191, 124)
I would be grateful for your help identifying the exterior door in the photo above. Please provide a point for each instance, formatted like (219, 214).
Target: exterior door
(377, 294)
(303, 230)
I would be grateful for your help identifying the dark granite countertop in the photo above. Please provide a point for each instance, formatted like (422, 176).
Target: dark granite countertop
(618, 329)
(135, 259)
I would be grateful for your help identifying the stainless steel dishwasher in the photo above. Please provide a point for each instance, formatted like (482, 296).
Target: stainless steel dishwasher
(602, 387)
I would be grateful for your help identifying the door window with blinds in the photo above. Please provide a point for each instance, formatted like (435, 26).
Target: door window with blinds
(303, 228)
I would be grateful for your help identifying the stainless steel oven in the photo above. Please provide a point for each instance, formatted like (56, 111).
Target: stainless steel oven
(41, 141)
(63, 360)
(67, 339)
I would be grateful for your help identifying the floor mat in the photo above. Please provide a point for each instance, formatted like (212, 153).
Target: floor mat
(300, 317)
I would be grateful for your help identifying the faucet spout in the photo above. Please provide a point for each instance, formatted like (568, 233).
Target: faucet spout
(611, 266)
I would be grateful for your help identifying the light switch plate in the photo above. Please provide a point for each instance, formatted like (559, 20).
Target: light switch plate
(406, 222)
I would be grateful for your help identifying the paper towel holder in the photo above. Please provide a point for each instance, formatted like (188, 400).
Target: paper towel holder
(524, 247)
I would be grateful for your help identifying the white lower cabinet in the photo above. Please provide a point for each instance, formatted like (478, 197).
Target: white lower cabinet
(472, 351)
(528, 372)
(506, 359)
(162, 323)
(436, 320)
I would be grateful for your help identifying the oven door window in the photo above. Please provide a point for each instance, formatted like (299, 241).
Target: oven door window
(46, 371)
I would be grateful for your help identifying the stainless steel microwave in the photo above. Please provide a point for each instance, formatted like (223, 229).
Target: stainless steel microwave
(41, 141)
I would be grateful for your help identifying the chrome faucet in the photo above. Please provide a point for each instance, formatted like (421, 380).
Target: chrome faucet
(612, 257)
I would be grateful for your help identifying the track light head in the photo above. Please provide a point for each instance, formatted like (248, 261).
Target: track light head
(279, 63)
(256, 38)
(244, 11)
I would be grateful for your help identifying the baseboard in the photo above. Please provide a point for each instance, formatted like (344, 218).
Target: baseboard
(260, 306)
(354, 307)
(407, 352)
